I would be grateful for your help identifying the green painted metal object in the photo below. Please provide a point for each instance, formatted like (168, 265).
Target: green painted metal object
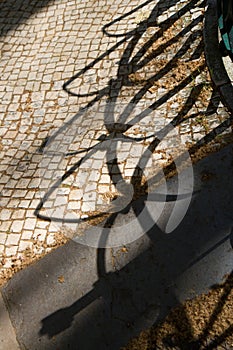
(225, 22)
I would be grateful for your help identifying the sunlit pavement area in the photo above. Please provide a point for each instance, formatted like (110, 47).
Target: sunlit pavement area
(98, 98)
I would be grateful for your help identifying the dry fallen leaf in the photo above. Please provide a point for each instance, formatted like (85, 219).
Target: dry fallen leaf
(61, 279)
(124, 250)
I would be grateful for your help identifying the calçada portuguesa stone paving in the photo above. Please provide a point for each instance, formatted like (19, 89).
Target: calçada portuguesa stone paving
(141, 56)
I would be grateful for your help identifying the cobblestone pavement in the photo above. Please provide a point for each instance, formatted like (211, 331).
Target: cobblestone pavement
(145, 59)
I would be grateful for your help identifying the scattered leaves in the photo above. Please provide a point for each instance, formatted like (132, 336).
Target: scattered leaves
(61, 279)
(192, 325)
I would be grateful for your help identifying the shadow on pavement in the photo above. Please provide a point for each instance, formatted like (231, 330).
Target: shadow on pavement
(16, 12)
(156, 273)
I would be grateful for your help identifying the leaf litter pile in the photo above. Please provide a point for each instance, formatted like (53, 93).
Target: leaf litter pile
(205, 322)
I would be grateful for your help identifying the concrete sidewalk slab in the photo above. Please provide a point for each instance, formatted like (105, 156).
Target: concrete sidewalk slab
(7, 332)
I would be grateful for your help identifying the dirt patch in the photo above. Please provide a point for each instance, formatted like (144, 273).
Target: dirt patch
(205, 322)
